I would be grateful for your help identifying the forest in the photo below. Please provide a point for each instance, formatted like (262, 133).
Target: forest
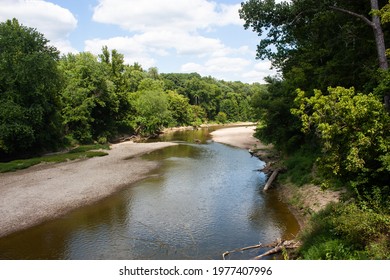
(328, 114)
(49, 101)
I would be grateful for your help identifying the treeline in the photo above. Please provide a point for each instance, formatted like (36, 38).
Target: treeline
(48, 100)
(329, 114)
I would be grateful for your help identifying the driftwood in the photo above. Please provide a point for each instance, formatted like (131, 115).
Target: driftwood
(271, 179)
(277, 247)
(285, 244)
(242, 249)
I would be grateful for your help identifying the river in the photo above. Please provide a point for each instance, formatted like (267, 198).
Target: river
(203, 200)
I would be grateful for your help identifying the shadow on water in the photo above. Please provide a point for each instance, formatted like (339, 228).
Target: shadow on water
(204, 199)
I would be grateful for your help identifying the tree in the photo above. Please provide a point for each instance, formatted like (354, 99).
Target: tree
(318, 40)
(152, 111)
(271, 105)
(29, 86)
(375, 24)
(125, 79)
(230, 107)
(354, 133)
(90, 101)
(180, 109)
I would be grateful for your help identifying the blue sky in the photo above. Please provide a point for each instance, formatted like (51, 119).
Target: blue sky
(173, 35)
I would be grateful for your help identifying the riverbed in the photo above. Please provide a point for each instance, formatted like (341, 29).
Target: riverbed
(203, 199)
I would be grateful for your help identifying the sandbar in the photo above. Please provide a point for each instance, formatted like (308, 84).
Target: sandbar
(44, 192)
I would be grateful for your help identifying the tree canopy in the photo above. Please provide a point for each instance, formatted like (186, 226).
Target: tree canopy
(29, 86)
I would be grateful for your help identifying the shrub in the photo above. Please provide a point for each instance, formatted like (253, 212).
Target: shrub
(346, 231)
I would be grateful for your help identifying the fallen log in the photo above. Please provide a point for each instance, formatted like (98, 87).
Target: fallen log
(242, 249)
(276, 246)
(271, 179)
(286, 244)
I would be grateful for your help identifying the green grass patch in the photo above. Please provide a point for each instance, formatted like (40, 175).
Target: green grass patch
(80, 152)
(85, 148)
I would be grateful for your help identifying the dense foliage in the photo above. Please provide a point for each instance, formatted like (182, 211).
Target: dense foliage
(29, 85)
(47, 101)
(329, 113)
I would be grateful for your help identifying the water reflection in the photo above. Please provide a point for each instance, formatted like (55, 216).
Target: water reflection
(202, 201)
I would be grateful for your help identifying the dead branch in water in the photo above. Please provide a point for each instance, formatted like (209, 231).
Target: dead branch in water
(271, 179)
(276, 246)
(242, 249)
(285, 244)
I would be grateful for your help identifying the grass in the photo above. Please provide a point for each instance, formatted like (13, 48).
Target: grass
(87, 151)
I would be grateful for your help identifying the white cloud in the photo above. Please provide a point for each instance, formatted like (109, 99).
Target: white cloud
(55, 22)
(133, 50)
(177, 15)
(218, 67)
(186, 30)
(234, 68)
(142, 48)
(259, 71)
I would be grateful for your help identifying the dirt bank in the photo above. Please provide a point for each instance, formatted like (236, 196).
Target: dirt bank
(46, 191)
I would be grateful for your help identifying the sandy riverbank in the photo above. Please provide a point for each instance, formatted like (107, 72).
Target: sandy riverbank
(241, 137)
(43, 192)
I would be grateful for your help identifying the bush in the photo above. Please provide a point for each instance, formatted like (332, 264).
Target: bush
(299, 166)
(221, 117)
(346, 231)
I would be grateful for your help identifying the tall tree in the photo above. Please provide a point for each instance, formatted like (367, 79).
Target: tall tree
(318, 42)
(29, 87)
(376, 26)
(90, 101)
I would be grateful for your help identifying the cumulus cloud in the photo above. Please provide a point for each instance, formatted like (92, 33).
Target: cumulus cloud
(132, 49)
(235, 68)
(55, 22)
(185, 29)
(187, 15)
(218, 67)
(259, 71)
(169, 26)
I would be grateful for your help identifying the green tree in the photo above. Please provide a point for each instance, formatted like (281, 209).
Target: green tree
(134, 74)
(180, 109)
(29, 86)
(125, 79)
(354, 133)
(318, 40)
(271, 105)
(90, 101)
(230, 107)
(152, 113)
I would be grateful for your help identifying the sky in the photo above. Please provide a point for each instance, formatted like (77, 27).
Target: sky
(176, 36)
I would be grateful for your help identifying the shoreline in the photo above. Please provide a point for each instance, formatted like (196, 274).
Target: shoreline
(44, 192)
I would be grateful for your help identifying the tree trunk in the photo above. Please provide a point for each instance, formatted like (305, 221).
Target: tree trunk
(375, 24)
(379, 37)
